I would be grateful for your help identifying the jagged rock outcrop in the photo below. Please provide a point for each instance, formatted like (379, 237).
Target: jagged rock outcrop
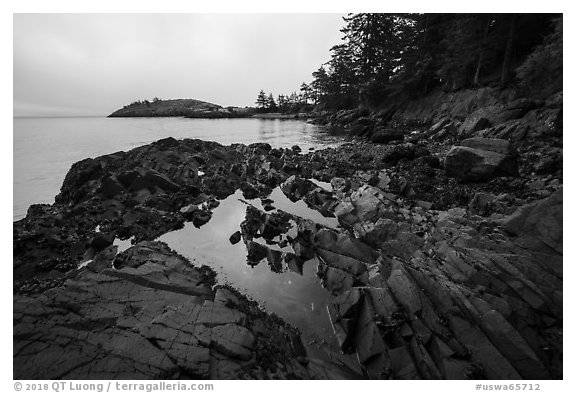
(139, 194)
(494, 115)
(442, 294)
(421, 286)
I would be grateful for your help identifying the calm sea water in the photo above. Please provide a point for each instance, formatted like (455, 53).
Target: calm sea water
(45, 148)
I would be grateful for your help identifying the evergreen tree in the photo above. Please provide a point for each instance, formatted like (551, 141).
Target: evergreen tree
(272, 106)
(372, 40)
(541, 73)
(320, 83)
(282, 103)
(306, 92)
(395, 57)
(262, 101)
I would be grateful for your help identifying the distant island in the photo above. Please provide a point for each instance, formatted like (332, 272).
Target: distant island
(197, 109)
(179, 107)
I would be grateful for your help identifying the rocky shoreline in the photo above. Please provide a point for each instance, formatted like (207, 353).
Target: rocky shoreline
(446, 264)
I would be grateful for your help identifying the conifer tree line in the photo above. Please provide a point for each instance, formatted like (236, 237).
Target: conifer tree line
(295, 102)
(384, 57)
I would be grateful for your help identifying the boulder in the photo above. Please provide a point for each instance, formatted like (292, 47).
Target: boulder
(387, 135)
(235, 237)
(480, 159)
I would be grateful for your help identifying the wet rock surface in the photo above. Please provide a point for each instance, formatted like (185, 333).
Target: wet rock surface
(149, 314)
(430, 276)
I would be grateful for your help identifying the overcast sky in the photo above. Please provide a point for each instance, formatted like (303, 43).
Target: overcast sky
(82, 64)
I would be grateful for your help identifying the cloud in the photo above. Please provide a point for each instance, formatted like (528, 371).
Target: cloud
(95, 63)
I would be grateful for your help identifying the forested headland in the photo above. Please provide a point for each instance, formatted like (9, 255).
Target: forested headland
(394, 58)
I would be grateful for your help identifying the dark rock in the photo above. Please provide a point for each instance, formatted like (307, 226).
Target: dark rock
(235, 237)
(295, 188)
(345, 246)
(494, 115)
(405, 291)
(386, 136)
(256, 252)
(128, 177)
(233, 340)
(111, 187)
(513, 346)
(157, 179)
(481, 203)
(402, 364)
(549, 165)
(155, 316)
(199, 159)
(103, 260)
(75, 183)
(343, 312)
(201, 217)
(480, 159)
(432, 161)
(474, 124)
(189, 211)
(416, 292)
(539, 224)
(260, 147)
(219, 154)
(249, 192)
(367, 339)
(102, 240)
(335, 280)
(405, 151)
(340, 185)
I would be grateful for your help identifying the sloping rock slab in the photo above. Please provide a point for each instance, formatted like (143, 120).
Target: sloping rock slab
(539, 224)
(154, 317)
